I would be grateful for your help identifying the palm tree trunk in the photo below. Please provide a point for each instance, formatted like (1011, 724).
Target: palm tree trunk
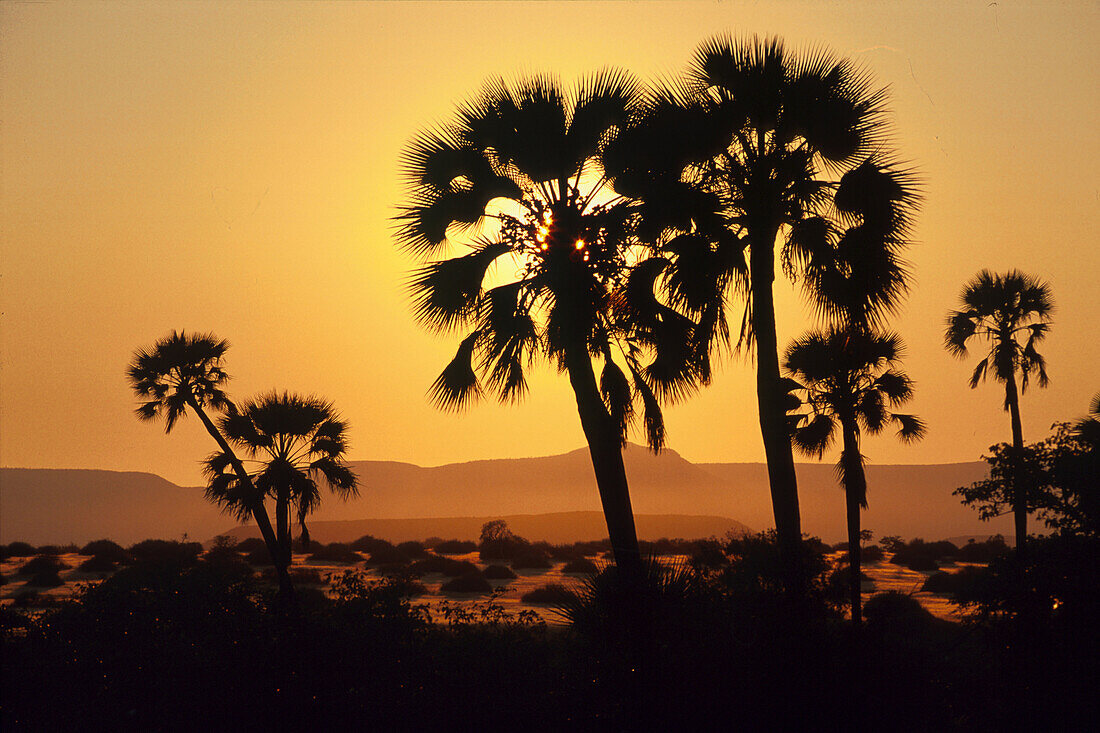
(282, 522)
(607, 458)
(770, 395)
(259, 512)
(1019, 499)
(855, 496)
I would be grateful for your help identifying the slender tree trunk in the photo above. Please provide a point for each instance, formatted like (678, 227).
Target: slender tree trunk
(259, 512)
(607, 458)
(1019, 482)
(855, 496)
(770, 398)
(282, 522)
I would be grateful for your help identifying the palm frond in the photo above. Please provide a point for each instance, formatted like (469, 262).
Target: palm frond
(457, 385)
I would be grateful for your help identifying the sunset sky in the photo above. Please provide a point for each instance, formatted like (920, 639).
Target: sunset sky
(233, 167)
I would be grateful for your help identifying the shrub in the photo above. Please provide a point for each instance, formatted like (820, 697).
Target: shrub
(531, 560)
(335, 552)
(984, 551)
(871, 554)
(551, 593)
(251, 544)
(454, 547)
(107, 550)
(412, 549)
(895, 610)
(447, 566)
(49, 550)
(46, 579)
(581, 565)
(43, 564)
(19, 549)
(259, 557)
(166, 551)
(498, 572)
(98, 564)
(498, 543)
(370, 544)
(471, 583)
(3, 579)
(708, 554)
(922, 564)
(383, 555)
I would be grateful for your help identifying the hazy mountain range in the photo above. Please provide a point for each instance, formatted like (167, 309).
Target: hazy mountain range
(61, 505)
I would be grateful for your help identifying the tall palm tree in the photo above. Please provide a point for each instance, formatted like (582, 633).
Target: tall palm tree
(1012, 313)
(795, 147)
(518, 179)
(852, 382)
(184, 371)
(297, 442)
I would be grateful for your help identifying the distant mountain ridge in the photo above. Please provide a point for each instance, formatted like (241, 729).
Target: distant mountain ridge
(69, 505)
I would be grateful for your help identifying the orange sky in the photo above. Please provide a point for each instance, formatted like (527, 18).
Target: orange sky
(232, 167)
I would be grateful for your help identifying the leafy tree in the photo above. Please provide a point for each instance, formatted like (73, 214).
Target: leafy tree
(518, 180)
(297, 444)
(852, 382)
(1061, 475)
(184, 371)
(794, 147)
(1011, 312)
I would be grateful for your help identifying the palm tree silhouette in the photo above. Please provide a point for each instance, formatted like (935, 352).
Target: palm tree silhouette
(184, 371)
(297, 442)
(794, 147)
(1002, 309)
(851, 382)
(518, 180)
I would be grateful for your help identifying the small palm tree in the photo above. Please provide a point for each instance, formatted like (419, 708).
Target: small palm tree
(1012, 313)
(185, 371)
(793, 147)
(518, 181)
(852, 382)
(296, 443)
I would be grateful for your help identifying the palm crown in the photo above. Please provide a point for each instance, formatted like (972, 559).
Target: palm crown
(1001, 309)
(792, 144)
(181, 369)
(517, 180)
(297, 443)
(851, 379)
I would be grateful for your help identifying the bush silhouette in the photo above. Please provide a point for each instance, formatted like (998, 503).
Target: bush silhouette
(470, 583)
(413, 549)
(165, 551)
(444, 565)
(383, 555)
(335, 552)
(370, 544)
(454, 547)
(106, 549)
(42, 564)
(17, 549)
(581, 565)
(498, 572)
(531, 560)
(250, 544)
(98, 564)
(46, 579)
(551, 593)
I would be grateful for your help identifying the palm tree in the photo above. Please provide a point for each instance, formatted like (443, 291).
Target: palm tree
(297, 442)
(1003, 309)
(794, 147)
(518, 179)
(184, 371)
(852, 382)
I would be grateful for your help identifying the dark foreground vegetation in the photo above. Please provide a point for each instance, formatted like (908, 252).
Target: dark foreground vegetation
(182, 641)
